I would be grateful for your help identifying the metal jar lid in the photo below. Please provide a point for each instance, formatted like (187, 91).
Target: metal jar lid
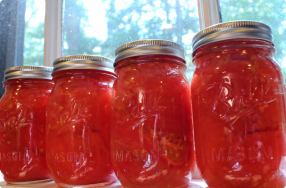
(232, 30)
(35, 72)
(149, 47)
(83, 62)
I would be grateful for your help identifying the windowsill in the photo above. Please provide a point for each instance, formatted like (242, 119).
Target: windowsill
(196, 183)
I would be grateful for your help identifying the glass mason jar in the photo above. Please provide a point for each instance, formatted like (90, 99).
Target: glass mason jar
(78, 121)
(238, 107)
(152, 142)
(22, 124)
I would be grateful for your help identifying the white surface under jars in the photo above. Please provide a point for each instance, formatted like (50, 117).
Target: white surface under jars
(193, 184)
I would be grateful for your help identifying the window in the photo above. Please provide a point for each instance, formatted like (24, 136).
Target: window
(98, 27)
(11, 34)
(21, 33)
(34, 32)
(271, 12)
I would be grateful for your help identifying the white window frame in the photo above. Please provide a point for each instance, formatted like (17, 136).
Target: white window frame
(53, 31)
(209, 14)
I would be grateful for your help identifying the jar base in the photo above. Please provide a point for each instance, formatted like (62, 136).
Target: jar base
(103, 184)
(29, 182)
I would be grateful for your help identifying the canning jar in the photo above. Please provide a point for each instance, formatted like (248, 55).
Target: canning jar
(78, 121)
(22, 124)
(238, 107)
(152, 143)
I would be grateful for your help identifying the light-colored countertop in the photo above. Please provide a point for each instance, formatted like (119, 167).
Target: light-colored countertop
(196, 183)
(193, 184)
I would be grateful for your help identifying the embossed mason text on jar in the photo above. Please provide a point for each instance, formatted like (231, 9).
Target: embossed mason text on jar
(152, 143)
(238, 107)
(78, 121)
(22, 124)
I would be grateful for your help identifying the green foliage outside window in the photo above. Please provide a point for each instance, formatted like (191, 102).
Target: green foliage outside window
(127, 20)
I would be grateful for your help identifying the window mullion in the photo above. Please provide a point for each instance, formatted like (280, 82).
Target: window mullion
(53, 31)
(209, 13)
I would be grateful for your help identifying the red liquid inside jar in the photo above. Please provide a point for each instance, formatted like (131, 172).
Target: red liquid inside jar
(239, 115)
(152, 142)
(78, 131)
(22, 129)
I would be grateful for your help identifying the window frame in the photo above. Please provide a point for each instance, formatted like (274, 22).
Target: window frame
(53, 31)
(208, 10)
